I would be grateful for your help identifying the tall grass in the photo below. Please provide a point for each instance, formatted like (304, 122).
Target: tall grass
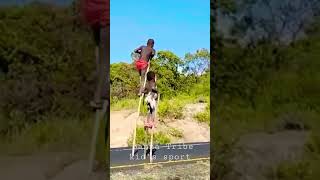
(286, 98)
(171, 107)
(50, 135)
(204, 116)
(124, 104)
(143, 137)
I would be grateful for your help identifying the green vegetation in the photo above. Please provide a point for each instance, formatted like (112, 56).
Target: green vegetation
(47, 79)
(171, 108)
(175, 132)
(49, 135)
(305, 168)
(161, 138)
(199, 170)
(204, 116)
(170, 80)
(286, 171)
(179, 82)
(266, 86)
(124, 104)
(176, 87)
(46, 76)
(266, 99)
(142, 137)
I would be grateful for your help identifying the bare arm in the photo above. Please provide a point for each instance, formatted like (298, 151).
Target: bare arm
(152, 54)
(138, 50)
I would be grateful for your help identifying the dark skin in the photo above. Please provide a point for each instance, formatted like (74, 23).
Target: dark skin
(146, 52)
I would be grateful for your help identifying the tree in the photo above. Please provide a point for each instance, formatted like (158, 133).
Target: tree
(197, 63)
(46, 66)
(166, 66)
(124, 80)
(269, 20)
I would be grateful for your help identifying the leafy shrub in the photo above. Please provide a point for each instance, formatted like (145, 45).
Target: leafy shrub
(142, 137)
(175, 132)
(203, 117)
(171, 109)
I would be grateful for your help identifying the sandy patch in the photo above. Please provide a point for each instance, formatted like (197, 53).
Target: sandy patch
(122, 124)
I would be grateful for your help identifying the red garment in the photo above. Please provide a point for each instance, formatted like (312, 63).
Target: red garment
(141, 64)
(96, 12)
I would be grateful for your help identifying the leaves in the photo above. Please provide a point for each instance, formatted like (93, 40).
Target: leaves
(171, 80)
(197, 63)
(45, 65)
(279, 22)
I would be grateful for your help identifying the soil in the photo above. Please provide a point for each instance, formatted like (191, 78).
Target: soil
(122, 124)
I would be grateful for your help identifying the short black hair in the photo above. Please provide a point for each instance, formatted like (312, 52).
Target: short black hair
(151, 75)
(150, 41)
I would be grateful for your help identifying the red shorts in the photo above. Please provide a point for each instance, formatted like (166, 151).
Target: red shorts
(96, 12)
(141, 64)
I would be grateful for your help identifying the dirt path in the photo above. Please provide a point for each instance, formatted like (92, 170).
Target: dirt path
(259, 153)
(121, 126)
(193, 131)
(66, 166)
(122, 123)
(48, 166)
(198, 171)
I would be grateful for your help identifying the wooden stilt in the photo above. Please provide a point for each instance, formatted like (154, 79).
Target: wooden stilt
(99, 114)
(152, 129)
(135, 124)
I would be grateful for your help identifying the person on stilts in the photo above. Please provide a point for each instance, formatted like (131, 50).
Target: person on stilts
(151, 99)
(147, 84)
(146, 54)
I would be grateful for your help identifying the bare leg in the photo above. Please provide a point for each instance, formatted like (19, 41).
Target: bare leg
(142, 79)
(152, 119)
(146, 122)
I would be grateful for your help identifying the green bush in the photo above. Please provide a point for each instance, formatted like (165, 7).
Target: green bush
(161, 138)
(124, 104)
(171, 109)
(46, 64)
(291, 171)
(51, 134)
(203, 117)
(142, 137)
(175, 132)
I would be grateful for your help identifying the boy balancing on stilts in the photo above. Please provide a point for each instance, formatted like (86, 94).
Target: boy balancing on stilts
(146, 54)
(147, 86)
(151, 100)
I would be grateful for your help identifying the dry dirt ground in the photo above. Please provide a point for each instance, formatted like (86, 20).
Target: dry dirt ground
(73, 166)
(194, 171)
(48, 166)
(258, 153)
(122, 124)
